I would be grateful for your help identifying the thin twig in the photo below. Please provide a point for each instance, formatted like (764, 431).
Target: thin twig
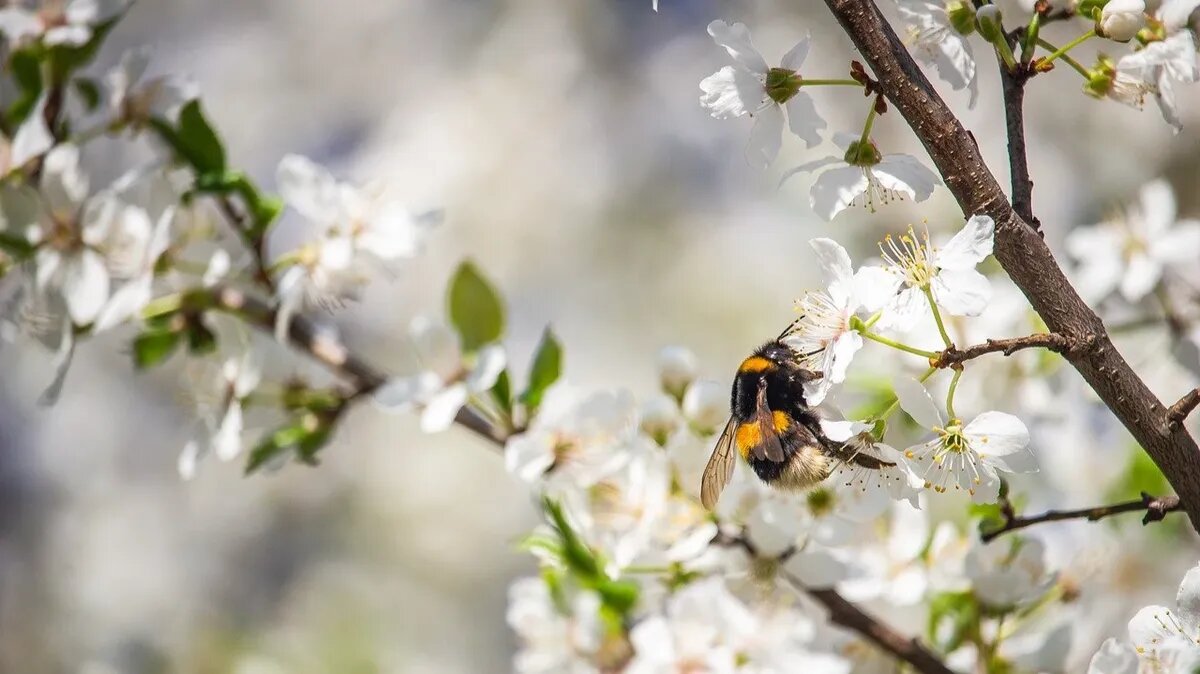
(1020, 249)
(953, 356)
(1155, 507)
(849, 616)
(330, 352)
(1013, 86)
(1180, 410)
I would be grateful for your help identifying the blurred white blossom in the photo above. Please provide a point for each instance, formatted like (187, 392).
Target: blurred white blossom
(938, 31)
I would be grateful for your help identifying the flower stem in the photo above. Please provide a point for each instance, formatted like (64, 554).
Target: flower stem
(830, 83)
(1061, 52)
(897, 345)
(1006, 54)
(887, 412)
(866, 134)
(950, 395)
(872, 320)
(937, 318)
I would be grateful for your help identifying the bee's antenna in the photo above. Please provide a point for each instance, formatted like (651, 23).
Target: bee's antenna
(788, 328)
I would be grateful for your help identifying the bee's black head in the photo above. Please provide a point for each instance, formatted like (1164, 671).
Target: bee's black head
(777, 352)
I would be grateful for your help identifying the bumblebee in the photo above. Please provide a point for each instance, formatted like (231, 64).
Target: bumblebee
(773, 429)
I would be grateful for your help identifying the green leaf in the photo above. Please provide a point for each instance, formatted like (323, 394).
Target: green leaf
(953, 617)
(66, 58)
(15, 245)
(89, 91)
(280, 441)
(475, 309)
(619, 595)
(26, 67)
(152, 348)
(990, 515)
(502, 393)
(197, 142)
(201, 340)
(545, 370)
(576, 554)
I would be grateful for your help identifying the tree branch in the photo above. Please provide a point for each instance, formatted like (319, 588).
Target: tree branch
(1180, 410)
(953, 356)
(1155, 507)
(326, 349)
(1021, 251)
(849, 616)
(1013, 86)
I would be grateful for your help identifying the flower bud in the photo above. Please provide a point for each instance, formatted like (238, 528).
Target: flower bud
(659, 418)
(1121, 20)
(962, 16)
(706, 405)
(676, 369)
(990, 25)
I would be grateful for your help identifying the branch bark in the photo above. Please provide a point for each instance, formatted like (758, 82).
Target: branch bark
(1013, 86)
(1155, 507)
(1180, 410)
(954, 356)
(1021, 251)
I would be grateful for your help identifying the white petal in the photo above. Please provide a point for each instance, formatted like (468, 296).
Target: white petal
(227, 441)
(803, 119)
(836, 189)
(437, 345)
(903, 173)
(1187, 601)
(765, 136)
(995, 434)
(915, 400)
(904, 311)
(402, 393)
(816, 568)
(93, 11)
(1141, 275)
(189, 458)
(440, 411)
(69, 36)
(1178, 245)
(309, 188)
(810, 166)
(124, 304)
(1175, 13)
(963, 292)
(62, 364)
(731, 92)
(1151, 625)
(490, 362)
(528, 456)
(17, 24)
(64, 186)
(85, 286)
(843, 350)
(33, 137)
(970, 246)
(796, 55)
(217, 269)
(290, 293)
(1114, 657)
(874, 287)
(1157, 201)
(834, 262)
(736, 40)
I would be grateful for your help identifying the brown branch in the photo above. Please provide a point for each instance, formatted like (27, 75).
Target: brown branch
(1020, 250)
(1013, 86)
(1155, 507)
(1180, 410)
(849, 616)
(304, 335)
(954, 357)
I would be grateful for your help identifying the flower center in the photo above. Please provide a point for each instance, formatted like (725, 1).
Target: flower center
(911, 256)
(781, 84)
(862, 153)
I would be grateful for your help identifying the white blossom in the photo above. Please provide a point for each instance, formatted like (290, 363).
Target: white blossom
(705, 405)
(897, 481)
(1008, 572)
(751, 87)
(221, 412)
(58, 22)
(937, 31)
(948, 272)
(135, 99)
(1131, 253)
(1155, 69)
(823, 335)
(447, 382)
(864, 174)
(892, 568)
(676, 369)
(965, 456)
(1120, 20)
(701, 628)
(553, 641)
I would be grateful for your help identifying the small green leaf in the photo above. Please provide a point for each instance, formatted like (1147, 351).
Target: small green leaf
(953, 617)
(275, 444)
(475, 309)
(67, 58)
(502, 393)
(619, 595)
(197, 142)
(545, 370)
(88, 91)
(152, 348)
(576, 554)
(201, 340)
(26, 67)
(15, 245)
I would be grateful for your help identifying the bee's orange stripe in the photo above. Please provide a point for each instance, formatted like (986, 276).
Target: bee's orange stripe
(782, 421)
(755, 364)
(747, 438)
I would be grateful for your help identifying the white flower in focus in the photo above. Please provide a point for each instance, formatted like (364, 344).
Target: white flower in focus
(968, 457)
(937, 31)
(947, 272)
(574, 441)
(864, 173)
(676, 369)
(897, 482)
(1169, 640)
(1155, 69)
(58, 22)
(136, 100)
(1131, 253)
(552, 642)
(1120, 20)
(1007, 573)
(823, 336)
(706, 405)
(750, 87)
(221, 413)
(700, 630)
(447, 382)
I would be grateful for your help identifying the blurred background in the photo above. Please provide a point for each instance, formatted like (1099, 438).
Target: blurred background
(566, 143)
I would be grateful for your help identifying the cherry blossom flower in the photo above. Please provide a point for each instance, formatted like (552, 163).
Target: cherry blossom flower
(574, 441)
(947, 272)
(864, 173)
(676, 369)
(135, 100)
(965, 456)
(221, 413)
(1120, 20)
(750, 87)
(938, 30)
(58, 22)
(1161, 640)
(553, 641)
(896, 481)
(446, 383)
(1131, 253)
(705, 405)
(892, 569)
(823, 335)
(1152, 70)
(701, 628)
(1009, 572)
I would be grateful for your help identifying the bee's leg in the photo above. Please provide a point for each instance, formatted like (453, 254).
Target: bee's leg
(871, 462)
(844, 453)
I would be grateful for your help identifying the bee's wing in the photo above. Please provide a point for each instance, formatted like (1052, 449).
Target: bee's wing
(719, 470)
(769, 446)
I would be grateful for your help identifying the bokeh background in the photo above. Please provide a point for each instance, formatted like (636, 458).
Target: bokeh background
(565, 141)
